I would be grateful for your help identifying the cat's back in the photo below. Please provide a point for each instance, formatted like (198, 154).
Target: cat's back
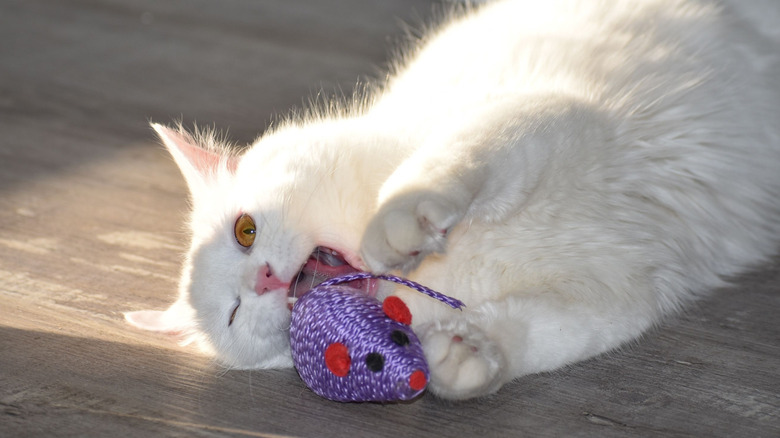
(597, 50)
(691, 90)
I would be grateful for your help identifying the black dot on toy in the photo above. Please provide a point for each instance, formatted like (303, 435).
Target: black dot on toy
(375, 362)
(399, 338)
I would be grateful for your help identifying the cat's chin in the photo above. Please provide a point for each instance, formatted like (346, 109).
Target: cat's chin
(323, 264)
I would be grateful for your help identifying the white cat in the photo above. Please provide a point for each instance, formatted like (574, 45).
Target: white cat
(573, 170)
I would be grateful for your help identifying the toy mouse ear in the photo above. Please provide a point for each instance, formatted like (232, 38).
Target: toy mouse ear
(337, 359)
(396, 310)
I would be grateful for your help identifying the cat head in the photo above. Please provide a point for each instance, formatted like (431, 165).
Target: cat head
(264, 229)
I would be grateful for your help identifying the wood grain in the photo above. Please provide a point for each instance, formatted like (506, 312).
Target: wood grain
(91, 213)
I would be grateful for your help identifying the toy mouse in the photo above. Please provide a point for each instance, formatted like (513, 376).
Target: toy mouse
(349, 347)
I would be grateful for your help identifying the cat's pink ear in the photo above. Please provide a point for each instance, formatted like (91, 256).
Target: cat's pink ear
(197, 164)
(177, 320)
(152, 320)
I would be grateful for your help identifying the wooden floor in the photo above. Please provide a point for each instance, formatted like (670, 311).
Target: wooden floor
(91, 212)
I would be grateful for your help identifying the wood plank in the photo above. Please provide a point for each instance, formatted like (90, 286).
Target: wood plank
(91, 224)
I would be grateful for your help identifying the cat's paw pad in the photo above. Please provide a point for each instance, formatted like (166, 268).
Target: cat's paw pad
(408, 228)
(463, 362)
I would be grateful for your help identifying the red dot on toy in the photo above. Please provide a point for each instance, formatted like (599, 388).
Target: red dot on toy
(417, 380)
(337, 359)
(396, 310)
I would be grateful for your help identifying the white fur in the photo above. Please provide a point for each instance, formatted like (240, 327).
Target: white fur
(573, 170)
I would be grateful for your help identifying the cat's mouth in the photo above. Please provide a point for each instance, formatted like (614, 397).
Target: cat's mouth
(323, 264)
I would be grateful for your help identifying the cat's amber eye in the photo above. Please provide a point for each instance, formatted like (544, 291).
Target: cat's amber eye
(245, 230)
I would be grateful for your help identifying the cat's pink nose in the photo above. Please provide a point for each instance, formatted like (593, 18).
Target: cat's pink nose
(267, 281)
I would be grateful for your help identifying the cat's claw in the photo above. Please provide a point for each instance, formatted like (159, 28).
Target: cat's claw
(408, 228)
(463, 362)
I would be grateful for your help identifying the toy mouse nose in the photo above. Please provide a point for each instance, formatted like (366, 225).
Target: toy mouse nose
(267, 281)
(418, 380)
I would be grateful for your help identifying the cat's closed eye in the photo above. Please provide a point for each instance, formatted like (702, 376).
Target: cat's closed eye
(235, 310)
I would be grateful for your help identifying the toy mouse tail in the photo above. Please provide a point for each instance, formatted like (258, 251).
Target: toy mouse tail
(452, 302)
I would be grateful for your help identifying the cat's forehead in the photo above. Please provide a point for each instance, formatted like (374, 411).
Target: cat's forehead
(266, 179)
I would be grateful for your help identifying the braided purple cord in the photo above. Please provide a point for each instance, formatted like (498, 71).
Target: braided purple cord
(452, 302)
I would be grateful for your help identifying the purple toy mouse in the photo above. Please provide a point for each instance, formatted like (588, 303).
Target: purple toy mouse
(349, 347)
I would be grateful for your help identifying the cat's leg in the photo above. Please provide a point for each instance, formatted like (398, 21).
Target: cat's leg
(482, 169)
(474, 353)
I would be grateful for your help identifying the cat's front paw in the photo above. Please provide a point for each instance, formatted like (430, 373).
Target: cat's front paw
(407, 228)
(464, 363)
